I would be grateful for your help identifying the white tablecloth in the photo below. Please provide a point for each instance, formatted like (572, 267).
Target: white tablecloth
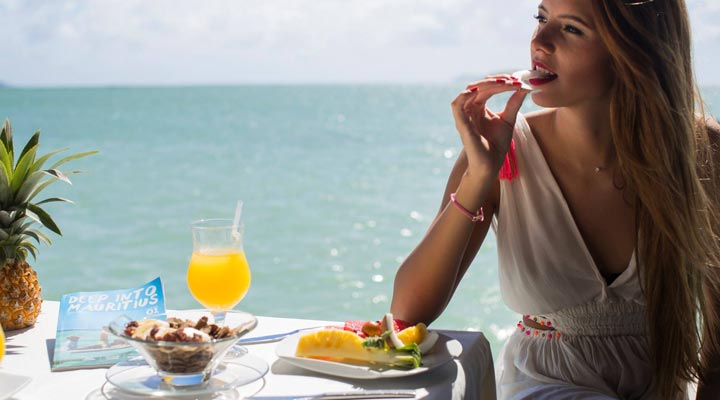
(470, 376)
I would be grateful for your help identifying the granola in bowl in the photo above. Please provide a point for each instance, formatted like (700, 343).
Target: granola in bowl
(180, 347)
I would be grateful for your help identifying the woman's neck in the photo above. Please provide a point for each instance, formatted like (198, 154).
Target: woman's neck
(584, 137)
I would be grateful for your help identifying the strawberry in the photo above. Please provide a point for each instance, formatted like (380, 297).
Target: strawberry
(357, 325)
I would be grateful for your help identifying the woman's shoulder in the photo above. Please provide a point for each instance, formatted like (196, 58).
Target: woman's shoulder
(539, 120)
(541, 114)
(713, 130)
(708, 130)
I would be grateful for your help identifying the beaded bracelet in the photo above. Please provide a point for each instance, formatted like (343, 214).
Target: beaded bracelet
(478, 216)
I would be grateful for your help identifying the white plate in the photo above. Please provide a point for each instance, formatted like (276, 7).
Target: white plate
(445, 349)
(11, 384)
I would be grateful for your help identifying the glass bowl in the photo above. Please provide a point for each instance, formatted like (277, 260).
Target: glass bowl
(182, 363)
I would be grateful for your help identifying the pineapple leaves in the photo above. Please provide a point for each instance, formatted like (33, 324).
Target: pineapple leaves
(58, 174)
(23, 194)
(33, 142)
(38, 236)
(6, 140)
(6, 219)
(39, 215)
(20, 181)
(6, 162)
(52, 199)
(72, 157)
(6, 171)
(32, 186)
(22, 168)
(6, 157)
(4, 186)
(29, 247)
(41, 161)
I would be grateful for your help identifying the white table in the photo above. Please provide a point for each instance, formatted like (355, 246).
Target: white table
(470, 376)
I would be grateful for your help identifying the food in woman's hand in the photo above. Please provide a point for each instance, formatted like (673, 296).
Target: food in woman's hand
(533, 77)
(370, 342)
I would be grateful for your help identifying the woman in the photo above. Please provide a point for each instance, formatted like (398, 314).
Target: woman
(605, 210)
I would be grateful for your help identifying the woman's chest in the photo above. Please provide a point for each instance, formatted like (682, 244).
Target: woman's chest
(605, 221)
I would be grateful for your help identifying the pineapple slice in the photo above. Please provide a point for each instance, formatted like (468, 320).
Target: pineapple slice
(413, 334)
(331, 343)
(419, 335)
(344, 346)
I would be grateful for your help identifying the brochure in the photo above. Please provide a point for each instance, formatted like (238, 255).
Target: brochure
(81, 340)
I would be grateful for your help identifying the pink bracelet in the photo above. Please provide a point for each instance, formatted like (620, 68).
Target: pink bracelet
(478, 216)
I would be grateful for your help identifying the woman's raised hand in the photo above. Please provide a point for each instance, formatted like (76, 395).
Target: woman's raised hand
(486, 134)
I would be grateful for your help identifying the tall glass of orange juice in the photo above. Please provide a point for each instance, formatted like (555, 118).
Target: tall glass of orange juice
(218, 275)
(2, 343)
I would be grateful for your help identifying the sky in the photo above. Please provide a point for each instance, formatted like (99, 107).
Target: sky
(183, 42)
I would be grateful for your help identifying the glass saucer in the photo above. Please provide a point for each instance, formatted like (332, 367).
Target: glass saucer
(108, 391)
(112, 392)
(137, 377)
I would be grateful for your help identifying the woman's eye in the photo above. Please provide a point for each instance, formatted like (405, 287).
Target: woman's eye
(540, 19)
(572, 29)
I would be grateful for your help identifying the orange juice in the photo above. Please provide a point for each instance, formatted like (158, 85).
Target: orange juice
(218, 281)
(2, 343)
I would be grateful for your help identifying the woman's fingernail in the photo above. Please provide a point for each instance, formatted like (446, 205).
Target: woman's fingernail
(473, 89)
(500, 80)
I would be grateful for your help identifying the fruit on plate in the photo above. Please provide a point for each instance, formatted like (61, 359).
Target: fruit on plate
(360, 326)
(20, 182)
(377, 343)
(405, 332)
(344, 346)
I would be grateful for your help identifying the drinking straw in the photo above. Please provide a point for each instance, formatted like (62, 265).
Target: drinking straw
(236, 220)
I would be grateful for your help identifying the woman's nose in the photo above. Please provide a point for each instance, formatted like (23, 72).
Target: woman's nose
(542, 40)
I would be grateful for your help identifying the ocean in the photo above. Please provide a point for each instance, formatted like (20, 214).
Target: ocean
(339, 183)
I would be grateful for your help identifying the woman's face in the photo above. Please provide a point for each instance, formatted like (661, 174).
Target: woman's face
(567, 45)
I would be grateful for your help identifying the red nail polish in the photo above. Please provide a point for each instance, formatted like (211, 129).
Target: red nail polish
(500, 80)
(473, 89)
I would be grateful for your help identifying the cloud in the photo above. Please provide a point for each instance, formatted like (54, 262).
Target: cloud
(704, 16)
(224, 41)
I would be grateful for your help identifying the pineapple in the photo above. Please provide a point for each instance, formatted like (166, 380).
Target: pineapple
(332, 343)
(345, 346)
(413, 334)
(20, 182)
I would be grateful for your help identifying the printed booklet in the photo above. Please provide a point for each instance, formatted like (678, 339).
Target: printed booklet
(81, 340)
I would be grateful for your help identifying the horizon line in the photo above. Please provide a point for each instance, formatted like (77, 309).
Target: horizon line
(460, 80)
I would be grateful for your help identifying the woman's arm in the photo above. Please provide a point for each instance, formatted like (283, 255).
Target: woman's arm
(428, 277)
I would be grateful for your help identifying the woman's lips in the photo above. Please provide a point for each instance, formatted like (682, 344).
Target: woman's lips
(542, 80)
(541, 74)
(533, 77)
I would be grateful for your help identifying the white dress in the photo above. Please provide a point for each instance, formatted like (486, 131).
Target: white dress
(546, 270)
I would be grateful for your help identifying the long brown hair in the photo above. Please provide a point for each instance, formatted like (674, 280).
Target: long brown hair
(666, 159)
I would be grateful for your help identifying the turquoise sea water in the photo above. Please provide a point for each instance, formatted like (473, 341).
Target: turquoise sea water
(339, 184)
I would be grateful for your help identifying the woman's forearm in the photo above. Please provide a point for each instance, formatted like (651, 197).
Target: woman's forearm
(427, 278)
